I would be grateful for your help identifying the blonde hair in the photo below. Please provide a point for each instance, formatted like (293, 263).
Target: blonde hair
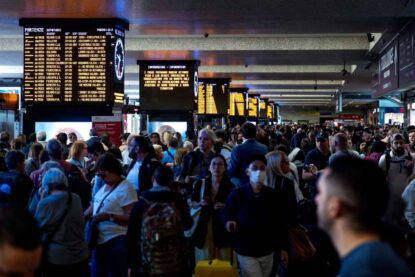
(209, 133)
(76, 149)
(274, 159)
(179, 156)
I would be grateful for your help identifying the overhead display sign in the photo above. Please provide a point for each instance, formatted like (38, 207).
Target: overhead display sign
(237, 101)
(168, 85)
(270, 110)
(388, 70)
(263, 103)
(407, 56)
(213, 96)
(253, 105)
(74, 60)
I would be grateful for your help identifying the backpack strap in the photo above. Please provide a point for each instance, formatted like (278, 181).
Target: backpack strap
(388, 160)
(170, 154)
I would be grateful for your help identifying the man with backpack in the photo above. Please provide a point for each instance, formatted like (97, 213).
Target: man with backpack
(168, 158)
(155, 237)
(15, 186)
(397, 164)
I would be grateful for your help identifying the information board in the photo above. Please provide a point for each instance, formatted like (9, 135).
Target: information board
(253, 105)
(388, 69)
(238, 102)
(270, 110)
(213, 96)
(74, 60)
(168, 85)
(407, 56)
(263, 103)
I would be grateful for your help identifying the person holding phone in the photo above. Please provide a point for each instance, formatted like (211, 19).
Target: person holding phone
(211, 239)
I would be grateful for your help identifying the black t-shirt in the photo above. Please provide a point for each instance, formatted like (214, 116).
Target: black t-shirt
(317, 158)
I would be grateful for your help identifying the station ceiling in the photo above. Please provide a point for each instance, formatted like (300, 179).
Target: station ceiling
(280, 48)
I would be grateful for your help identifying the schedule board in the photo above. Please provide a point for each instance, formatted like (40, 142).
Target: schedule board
(270, 110)
(73, 61)
(237, 102)
(213, 96)
(388, 70)
(263, 103)
(253, 105)
(168, 85)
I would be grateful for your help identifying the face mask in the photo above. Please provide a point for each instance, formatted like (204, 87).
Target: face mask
(257, 176)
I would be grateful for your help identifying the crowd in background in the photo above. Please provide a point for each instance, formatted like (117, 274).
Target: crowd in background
(235, 190)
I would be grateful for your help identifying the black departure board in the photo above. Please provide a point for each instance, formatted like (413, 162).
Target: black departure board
(168, 85)
(237, 102)
(263, 103)
(407, 56)
(253, 105)
(270, 110)
(388, 69)
(213, 96)
(73, 61)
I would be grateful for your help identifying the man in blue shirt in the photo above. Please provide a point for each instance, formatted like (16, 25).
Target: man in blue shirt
(352, 198)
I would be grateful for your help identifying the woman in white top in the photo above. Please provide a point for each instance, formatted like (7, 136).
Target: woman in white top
(111, 207)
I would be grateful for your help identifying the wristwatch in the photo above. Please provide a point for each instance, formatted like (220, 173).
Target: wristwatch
(111, 217)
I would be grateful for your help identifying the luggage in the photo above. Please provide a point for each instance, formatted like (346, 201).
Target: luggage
(215, 268)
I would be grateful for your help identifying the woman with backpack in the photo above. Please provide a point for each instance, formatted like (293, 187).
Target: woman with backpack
(211, 239)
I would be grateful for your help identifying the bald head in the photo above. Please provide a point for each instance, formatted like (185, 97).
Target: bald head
(340, 141)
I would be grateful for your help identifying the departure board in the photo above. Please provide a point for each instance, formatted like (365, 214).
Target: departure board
(73, 61)
(388, 69)
(406, 57)
(270, 110)
(213, 96)
(168, 85)
(253, 105)
(263, 108)
(237, 102)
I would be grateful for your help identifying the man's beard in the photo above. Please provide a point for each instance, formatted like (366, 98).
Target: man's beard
(399, 151)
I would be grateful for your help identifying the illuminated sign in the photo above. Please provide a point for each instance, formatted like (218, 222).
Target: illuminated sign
(253, 105)
(263, 108)
(168, 85)
(237, 102)
(213, 96)
(270, 110)
(73, 60)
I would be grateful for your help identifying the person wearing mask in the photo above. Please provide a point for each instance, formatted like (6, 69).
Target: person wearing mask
(211, 239)
(253, 215)
(111, 207)
(242, 154)
(59, 214)
(196, 163)
(143, 165)
(351, 201)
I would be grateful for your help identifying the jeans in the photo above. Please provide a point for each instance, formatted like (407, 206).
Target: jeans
(110, 259)
(256, 267)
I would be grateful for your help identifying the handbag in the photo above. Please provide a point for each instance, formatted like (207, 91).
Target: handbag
(195, 213)
(91, 229)
(300, 246)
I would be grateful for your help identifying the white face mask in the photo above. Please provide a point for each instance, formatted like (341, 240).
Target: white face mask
(257, 176)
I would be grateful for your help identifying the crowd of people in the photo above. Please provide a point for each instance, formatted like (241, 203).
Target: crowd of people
(158, 204)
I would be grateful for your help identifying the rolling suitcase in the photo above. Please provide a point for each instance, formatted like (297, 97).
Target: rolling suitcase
(215, 268)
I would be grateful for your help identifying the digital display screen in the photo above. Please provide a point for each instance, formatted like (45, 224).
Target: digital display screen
(263, 108)
(388, 69)
(73, 61)
(213, 97)
(9, 98)
(270, 110)
(237, 102)
(253, 105)
(81, 129)
(168, 85)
